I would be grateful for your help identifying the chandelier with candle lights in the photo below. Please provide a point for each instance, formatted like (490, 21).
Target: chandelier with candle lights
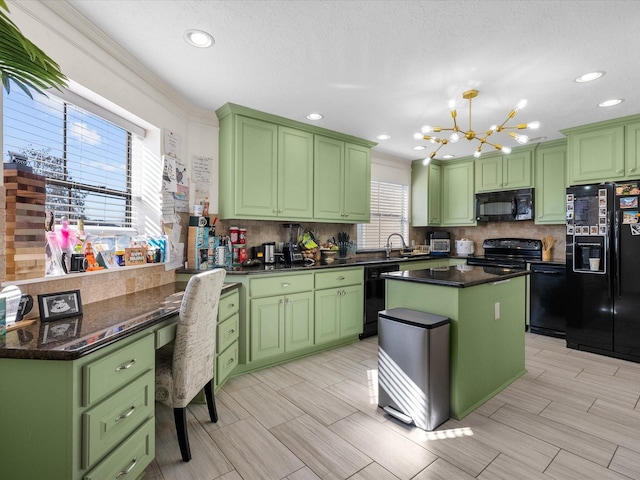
(470, 134)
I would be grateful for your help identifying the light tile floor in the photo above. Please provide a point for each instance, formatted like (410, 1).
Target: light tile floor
(574, 415)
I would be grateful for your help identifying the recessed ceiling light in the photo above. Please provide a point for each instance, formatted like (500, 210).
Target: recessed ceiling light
(384, 136)
(589, 77)
(611, 103)
(419, 147)
(448, 156)
(198, 38)
(315, 116)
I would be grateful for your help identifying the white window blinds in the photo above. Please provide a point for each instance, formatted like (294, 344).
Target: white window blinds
(389, 214)
(86, 159)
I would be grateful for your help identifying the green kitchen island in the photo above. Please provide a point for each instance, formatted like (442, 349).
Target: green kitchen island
(487, 311)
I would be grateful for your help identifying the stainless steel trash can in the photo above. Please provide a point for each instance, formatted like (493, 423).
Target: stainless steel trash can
(413, 367)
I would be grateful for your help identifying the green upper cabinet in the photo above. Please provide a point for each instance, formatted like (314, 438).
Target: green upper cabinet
(458, 198)
(295, 173)
(268, 158)
(596, 155)
(604, 152)
(632, 150)
(550, 184)
(342, 181)
(503, 172)
(269, 169)
(426, 194)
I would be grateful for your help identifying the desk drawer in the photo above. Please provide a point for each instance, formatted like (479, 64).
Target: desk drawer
(274, 286)
(226, 362)
(115, 370)
(166, 334)
(111, 421)
(229, 305)
(339, 277)
(128, 461)
(228, 332)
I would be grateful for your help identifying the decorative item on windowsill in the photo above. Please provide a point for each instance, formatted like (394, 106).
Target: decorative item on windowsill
(470, 134)
(547, 244)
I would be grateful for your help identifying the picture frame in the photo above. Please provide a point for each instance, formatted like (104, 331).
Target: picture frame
(54, 306)
(135, 256)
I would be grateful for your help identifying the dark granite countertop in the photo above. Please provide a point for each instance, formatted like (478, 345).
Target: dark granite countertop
(358, 261)
(459, 276)
(101, 324)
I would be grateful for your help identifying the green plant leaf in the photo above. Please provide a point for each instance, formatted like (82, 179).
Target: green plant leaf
(23, 63)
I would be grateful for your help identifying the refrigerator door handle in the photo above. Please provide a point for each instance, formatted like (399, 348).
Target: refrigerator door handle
(617, 281)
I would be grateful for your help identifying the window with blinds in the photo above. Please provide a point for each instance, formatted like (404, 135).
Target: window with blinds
(389, 214)
(86, 159)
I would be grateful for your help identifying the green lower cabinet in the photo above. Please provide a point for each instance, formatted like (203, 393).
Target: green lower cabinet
(339, 312)
(281, 324)
(81, 419)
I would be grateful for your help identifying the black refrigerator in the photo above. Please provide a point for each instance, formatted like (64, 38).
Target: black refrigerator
(603, 269)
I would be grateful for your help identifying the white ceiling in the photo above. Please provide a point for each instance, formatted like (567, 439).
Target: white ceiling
(375, 67)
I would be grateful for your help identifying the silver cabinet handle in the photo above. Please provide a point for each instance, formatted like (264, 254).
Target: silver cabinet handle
(340, 278)
(131, 363)
(229, 362)
(284, 285)
(231, 305)
(230, 332)
(127, 470)
(129, 412)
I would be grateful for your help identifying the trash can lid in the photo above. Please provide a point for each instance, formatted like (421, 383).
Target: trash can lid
(414, 317)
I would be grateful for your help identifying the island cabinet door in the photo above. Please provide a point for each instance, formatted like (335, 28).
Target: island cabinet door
(267, 327)
(327, 317)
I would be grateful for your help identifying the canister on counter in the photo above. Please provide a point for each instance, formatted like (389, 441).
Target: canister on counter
(242, 254)
(234, 233)
(242, 236)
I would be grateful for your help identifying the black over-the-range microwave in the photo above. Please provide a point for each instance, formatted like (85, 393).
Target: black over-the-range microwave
(505, 206)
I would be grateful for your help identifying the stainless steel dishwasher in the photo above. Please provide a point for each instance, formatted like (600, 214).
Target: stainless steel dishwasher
(548, 299)
(374, 296)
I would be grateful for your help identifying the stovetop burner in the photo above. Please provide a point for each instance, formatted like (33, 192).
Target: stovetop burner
(508, 253)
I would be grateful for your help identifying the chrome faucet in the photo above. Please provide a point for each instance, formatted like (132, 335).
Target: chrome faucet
(387, 247)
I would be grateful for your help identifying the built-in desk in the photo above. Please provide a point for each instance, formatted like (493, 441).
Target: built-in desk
(77, 395)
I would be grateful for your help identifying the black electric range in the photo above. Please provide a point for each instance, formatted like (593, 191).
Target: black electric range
(507, 253)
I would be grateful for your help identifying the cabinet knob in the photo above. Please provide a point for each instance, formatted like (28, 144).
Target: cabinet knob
(338, 293)
(346, 214)
(340, 278)
(230, 332)
(281, 302)
(631, 170)
(231, 305)
(618, 171)
(280, 211)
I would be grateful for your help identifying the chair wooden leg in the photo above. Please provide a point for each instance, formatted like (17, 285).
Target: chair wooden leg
(211, 401)
(180, 415)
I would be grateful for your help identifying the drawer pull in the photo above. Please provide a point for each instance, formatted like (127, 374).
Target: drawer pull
(229, 362)
(131, 363)
(231, 305)
(284, 285)
(340, 278)
(127, 470)
(230, 332)
(129, 412)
